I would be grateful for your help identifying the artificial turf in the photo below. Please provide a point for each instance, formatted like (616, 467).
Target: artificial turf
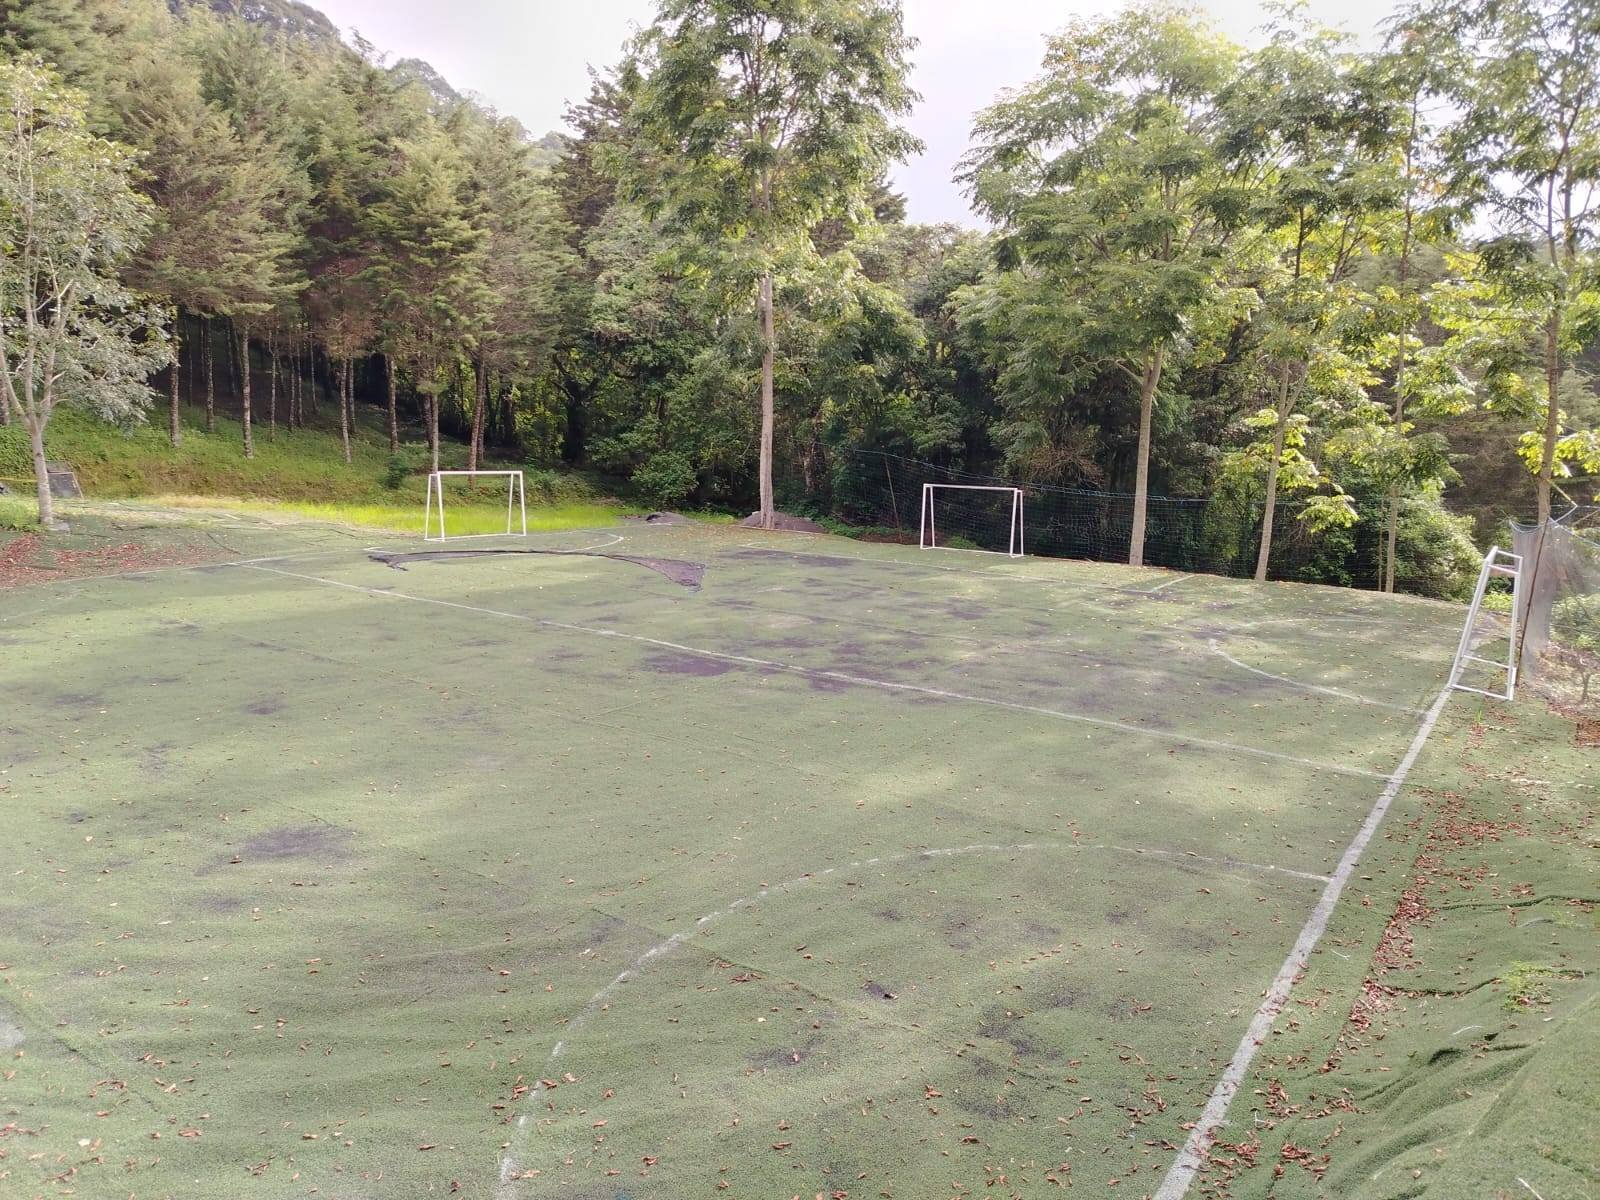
(855, 871)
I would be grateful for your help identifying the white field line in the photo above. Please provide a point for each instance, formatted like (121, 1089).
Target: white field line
(1216, 648)
(511, 1173)
(1161, 587)
(1193, 1155)
(844, 677)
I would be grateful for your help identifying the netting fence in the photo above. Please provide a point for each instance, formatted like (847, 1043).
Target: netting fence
(880, 493)
(1561, 607)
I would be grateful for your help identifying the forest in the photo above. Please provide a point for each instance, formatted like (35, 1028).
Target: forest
(1300, 308)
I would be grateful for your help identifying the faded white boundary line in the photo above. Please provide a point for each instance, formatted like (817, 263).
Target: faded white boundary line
(1340, 693)
(844, 677)
(511, 1174)
(1193, 1155)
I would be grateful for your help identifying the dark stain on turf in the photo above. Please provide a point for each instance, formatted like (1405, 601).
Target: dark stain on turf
(687, 664)
(1003, 1025)
(78, 700)
(889, 914)
(297, 841)
(779, 1058)
(267, 706)
(878, 992)
(831, 684)
(1064, 997)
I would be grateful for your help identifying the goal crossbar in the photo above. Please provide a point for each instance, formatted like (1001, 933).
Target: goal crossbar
(516, 505)
(928, 533)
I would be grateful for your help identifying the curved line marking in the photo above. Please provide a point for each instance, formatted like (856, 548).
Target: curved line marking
(511, 1174)
(1216, 648)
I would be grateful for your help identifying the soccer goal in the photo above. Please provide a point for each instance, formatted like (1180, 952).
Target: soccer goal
(965, 516)
(516, 505)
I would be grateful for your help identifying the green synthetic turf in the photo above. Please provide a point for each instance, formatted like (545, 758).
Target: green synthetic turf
(856, 871)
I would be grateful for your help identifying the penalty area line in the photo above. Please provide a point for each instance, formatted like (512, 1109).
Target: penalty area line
(1193, 1155)
(768, 664)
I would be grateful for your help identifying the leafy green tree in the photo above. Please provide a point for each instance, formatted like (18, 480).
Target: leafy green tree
(755, 120)
(429, 277)
(1328, 189)
(1106, 177)
(70, 218)
(1524, 152)
(528, 262)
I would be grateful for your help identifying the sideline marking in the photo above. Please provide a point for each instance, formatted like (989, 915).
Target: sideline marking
(1216, 648)
(510, 1174)
(844, 677)
(1193, 1155)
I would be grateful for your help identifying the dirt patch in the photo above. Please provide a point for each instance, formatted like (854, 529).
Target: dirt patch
(29, 559)
(784, 521)
(878, 992)
(687, 664)
(267, 706)
(1587, 733)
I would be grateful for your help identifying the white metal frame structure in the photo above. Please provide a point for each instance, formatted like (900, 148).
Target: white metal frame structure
(1497, 562)
(928, 537)
(516, 504)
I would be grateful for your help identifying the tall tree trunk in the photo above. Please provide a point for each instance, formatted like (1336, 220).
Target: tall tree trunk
(174, 410)
(272, 387)
(430, 379)
(508, 419)
(1271, 507)
(244, 391)
(480, 401)
(1149, 384)
(394, 412)
(211, 375)
(235, 375)
(41, 470)
(344, 413)
(1552, 420)
(768, 415)
(350, 395)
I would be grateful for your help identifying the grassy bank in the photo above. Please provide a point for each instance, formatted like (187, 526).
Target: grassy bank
(298, 472)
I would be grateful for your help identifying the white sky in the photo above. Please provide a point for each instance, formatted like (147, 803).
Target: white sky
(527, 58)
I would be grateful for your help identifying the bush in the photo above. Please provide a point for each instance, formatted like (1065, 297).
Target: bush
(666, 479)
(16, 456)
(395, 473)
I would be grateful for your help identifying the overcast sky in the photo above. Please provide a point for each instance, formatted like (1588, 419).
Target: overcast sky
(527, 58)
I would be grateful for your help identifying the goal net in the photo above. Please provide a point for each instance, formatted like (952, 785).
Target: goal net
(481, 504)
(961, 516)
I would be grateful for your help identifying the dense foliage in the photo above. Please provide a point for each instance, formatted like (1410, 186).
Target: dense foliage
(1333, 291)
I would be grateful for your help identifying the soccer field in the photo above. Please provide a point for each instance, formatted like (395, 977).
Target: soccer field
(853, 870)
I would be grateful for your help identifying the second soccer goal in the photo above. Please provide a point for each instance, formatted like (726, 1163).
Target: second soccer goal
(469, 521)
(964, 516)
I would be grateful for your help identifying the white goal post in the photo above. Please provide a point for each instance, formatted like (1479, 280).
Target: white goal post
(516, 505)
(929, 533)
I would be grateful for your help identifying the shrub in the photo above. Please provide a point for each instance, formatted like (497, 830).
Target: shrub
(666, 479)
(395, 473)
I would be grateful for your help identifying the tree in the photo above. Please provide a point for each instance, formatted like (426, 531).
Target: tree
(753, 121)
(429, 276)
(1524, 151)
(70, 219)
(1106, 178)
(1328, 190)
